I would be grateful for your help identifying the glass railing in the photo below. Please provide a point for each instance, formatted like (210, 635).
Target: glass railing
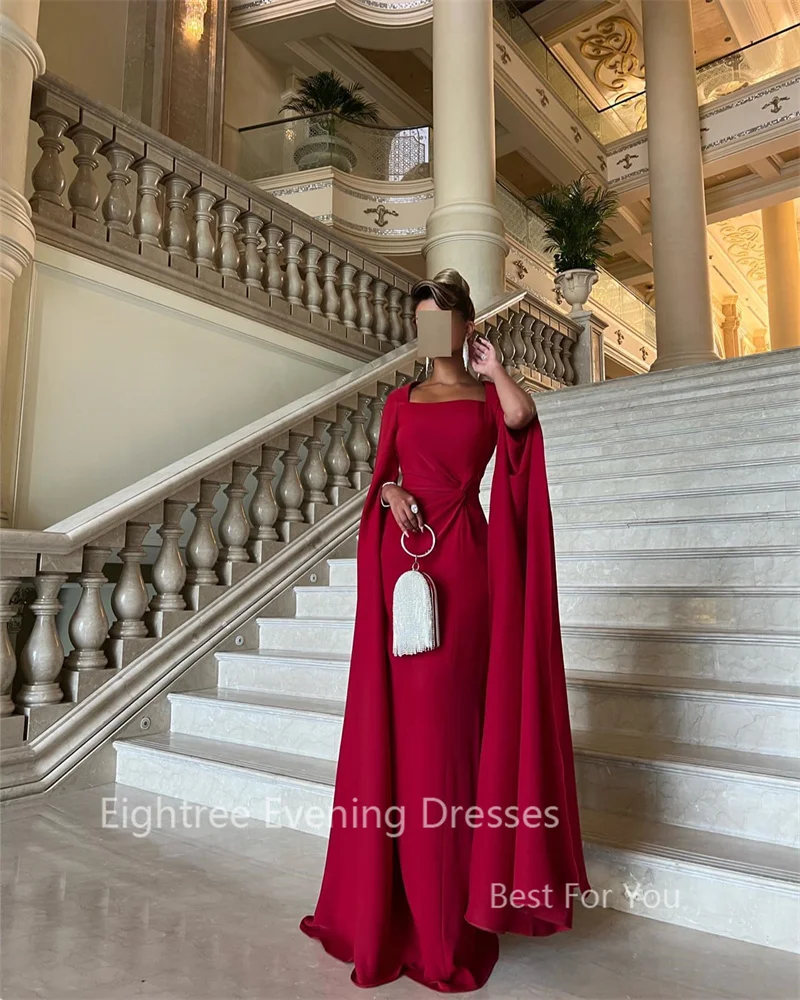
(525, 226)
(304, 143)
(394, 154)
(751, 65)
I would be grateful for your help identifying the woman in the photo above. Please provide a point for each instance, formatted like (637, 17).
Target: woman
(455, 815)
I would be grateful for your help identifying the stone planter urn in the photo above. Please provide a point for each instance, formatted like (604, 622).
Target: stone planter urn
(575, 287)
(324, 150)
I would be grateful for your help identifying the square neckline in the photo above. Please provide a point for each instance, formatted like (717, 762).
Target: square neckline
(440, 402)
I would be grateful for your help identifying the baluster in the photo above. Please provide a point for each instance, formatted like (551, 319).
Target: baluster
(312, 293)
(292, 280)
(129, 597)
(337, 460)
(273, 276)
(48, 175)
(147, 218)
(330, 297)
(83, 194)
(538, 334)
(504, 344)
(227, 258)
(347, 306)
(363, 305)
(358, 446)
(549, 360)
(395, 323)
(234, 528)
(202, 550)
(380, 324)
(566, 356)
(407, 312)
(517, 343)
(117, 208)
(8, 659)
(88, 627)
(529, 357)
(203, 245)
(373, 427)
(263, 507)
(177, 236)
(169, 570)
(42, 656)
(289, 491)
(251, 266)
(313, 476)
(558, 364)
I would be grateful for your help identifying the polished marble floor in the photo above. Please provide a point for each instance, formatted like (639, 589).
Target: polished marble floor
(93, 908)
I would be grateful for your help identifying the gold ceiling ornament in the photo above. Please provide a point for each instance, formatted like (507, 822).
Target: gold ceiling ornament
(745, 244)
(194, 16)
(611, 46)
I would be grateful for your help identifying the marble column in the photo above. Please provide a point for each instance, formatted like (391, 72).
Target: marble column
(21, 61)
(684, 323)
(779, 223)
(465, 229)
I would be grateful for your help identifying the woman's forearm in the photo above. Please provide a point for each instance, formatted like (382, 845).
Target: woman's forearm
(518, 406)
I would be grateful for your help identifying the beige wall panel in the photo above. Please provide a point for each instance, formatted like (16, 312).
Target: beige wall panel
(123, 377)
(84, 42)
(253, 94)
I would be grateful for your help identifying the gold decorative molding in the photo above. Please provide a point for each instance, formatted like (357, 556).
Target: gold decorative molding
(745, 244)
(611, 45)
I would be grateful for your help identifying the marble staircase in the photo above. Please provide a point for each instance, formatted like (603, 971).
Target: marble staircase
(676, 504)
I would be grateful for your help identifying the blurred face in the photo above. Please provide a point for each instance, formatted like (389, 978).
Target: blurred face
(460, 328)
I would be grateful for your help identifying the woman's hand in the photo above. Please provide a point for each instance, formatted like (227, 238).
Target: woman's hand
(483, 357)
(400, 502)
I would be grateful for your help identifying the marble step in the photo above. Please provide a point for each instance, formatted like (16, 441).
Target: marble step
(758, 717)
(738, 888)
(731, 567)
(285, 672)
(700, 440)
(725, 885)
(699, 653)
(613, 458)
(289, 723)
(744, 609)
(761, 405)
(739, 793)
(756, 473)
(747, 566)
(724, 654)
(679, 533)
(307, 635)
(713, 500)
(753, 717)
(747, 609)
(731, 791)
(716, 377)
(276, 788)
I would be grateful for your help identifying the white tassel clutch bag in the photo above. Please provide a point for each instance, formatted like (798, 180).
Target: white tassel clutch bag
(415, 611)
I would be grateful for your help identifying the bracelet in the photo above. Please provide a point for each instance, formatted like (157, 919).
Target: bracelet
(390, 482)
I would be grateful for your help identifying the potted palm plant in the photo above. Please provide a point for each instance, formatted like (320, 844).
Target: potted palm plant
(574, 216)
(330, 100)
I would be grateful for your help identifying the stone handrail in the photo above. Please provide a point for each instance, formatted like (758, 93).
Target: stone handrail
(162, 212)
(185, 535)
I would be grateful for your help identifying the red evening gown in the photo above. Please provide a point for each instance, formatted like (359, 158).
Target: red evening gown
(414, 884)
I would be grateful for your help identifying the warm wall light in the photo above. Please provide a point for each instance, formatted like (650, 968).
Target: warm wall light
(194, 13)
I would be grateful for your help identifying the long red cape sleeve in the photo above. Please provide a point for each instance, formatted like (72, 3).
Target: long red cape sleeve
(353, 915)
(526, 758)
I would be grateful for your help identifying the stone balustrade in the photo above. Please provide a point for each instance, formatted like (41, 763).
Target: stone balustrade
(143, 203)
(167, 547)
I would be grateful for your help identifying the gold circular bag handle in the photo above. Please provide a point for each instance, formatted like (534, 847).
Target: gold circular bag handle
(418, 555)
